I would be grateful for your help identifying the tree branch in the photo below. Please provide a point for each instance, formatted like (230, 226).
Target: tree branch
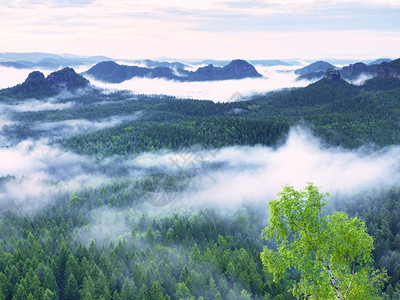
(352, 277)
(333, 281)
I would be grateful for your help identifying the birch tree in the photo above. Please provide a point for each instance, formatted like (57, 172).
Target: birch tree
(331, 253)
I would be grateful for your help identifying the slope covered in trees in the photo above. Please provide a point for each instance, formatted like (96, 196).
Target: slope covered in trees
(342, 114)
(119, 239)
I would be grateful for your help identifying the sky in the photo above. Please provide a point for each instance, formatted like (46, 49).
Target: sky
(219, 29)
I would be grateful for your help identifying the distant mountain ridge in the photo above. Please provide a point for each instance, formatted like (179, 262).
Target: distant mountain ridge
(110, 71)
(48, 61)
(378, 68)
(152, 64)
(318, 66)
(38, 86)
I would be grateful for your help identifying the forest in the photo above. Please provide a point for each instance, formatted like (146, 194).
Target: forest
(140, 231)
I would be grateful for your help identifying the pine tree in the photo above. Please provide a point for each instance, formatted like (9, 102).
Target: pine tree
(71, 291)
(156, 292)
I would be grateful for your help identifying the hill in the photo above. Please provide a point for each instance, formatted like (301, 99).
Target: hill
(379, 61)
(378, 68)
(389, 69)
(39, 60)
(39, 86)
(318, 66)
(112, 72)
(341, 113)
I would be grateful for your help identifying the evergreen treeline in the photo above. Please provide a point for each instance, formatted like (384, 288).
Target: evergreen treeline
(163, 253)
(76, 249)
(180, 254)
(381, 212)
(340, 113)
(207, 132)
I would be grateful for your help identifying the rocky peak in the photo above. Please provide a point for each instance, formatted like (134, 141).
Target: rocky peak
(35, 77)
(332, 75)
(37, 86)
(389, 69)
(318, 66)
(241, 68)
(66, 78)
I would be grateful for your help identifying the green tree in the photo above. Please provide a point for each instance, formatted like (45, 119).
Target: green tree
(116, 296)
(331, 253)
(128, 290)
(48, 295)
(156, 292)
(71, 288)
(182, 291)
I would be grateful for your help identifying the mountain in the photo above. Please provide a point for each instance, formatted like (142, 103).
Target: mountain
(262, 62)
(38, 86)
(236, 69)
(341, 113)
(354, 71)
(15, 64)
(379, 61)
(46, 60)
(270, 62)
(312, 76)
(153, 64)
(27, 56)
(112, 72)
(47, 63)
(318, 66)
(389, 69)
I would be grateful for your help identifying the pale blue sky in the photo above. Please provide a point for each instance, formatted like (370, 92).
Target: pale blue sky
(203, 29)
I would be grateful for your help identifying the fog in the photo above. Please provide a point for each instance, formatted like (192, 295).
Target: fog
(274, 78)
(236, 175)
(69, 128)
(360, 80)
(229, 176)
(277, 77)
(99, 228)
(36, 105)
(10, 76)
(38, 169)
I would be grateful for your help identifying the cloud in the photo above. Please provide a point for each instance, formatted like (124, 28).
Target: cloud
(197, 29)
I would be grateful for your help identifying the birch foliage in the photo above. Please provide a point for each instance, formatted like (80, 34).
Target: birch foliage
(331, 253)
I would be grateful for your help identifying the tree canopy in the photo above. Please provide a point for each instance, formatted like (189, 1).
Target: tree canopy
(331, 253)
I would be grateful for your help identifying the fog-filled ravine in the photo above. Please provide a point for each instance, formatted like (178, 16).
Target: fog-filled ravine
(135, 190)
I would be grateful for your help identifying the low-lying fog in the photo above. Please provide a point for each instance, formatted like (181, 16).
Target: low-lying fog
(230, 176)
(275, 78)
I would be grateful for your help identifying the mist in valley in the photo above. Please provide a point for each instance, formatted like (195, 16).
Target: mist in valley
(38, 170)
(182, 207)
(274, 78)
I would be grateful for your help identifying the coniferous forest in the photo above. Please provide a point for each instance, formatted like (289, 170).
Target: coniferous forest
(121, 201)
